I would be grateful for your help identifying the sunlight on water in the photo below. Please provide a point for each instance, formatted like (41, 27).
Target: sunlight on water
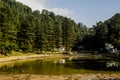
(61, 66)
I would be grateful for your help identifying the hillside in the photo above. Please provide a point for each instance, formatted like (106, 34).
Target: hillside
(25, 30)
(22, 29)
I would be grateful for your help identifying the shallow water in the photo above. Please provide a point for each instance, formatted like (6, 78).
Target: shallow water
(61, 66)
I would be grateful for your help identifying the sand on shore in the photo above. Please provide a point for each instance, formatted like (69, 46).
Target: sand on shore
(26, 57)
(36, 56)
(61, 77)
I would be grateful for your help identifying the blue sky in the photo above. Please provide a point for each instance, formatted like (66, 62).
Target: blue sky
(86, 11)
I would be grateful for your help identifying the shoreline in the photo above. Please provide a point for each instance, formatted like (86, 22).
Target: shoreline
(61, 77)
(85, 76)
(36, 56)
(27, 57)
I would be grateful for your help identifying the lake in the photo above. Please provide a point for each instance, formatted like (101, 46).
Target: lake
(61, 66)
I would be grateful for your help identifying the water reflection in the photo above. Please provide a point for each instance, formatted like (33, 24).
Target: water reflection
(94, 64)
(112, 64)
(61, 66)
(61, 61)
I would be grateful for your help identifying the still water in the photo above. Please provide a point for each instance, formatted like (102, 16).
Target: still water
(61, 66)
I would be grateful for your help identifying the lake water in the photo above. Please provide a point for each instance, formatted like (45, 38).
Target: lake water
(61, 66)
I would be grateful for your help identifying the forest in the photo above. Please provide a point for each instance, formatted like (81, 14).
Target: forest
(22, 29)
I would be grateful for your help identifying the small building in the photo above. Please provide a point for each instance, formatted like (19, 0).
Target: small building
(62, 49)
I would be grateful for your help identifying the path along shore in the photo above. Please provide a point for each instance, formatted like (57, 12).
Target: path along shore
(34, 56)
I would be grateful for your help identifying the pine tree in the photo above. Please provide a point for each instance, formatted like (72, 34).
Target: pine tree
(26, 35)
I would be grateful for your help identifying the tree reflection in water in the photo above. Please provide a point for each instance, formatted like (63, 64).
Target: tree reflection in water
(60, 66)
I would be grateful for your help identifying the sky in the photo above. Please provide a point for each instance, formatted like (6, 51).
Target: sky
(86, 11)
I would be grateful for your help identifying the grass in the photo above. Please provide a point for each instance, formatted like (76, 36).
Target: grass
(19, 54)
(26, 54)
(2, 56)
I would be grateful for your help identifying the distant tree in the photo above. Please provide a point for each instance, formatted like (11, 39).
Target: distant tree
(8, 29)
(58, 34)
(68, 34)
(26, 35)
(114, 30)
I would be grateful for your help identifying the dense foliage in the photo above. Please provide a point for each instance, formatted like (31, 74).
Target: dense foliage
(22, 29)
(102, 33)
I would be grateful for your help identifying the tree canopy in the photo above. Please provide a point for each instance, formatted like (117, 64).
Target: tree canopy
(22, 29)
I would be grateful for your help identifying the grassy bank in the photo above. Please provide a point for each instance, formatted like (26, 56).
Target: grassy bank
(28, 54)
(14, 56)
(23, 56)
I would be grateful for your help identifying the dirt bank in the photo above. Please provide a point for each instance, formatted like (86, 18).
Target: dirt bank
(25, 57)
(34, 56)
(62, 77)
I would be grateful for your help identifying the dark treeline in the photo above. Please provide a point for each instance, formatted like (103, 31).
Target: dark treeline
(22, 29)
(102, 33)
